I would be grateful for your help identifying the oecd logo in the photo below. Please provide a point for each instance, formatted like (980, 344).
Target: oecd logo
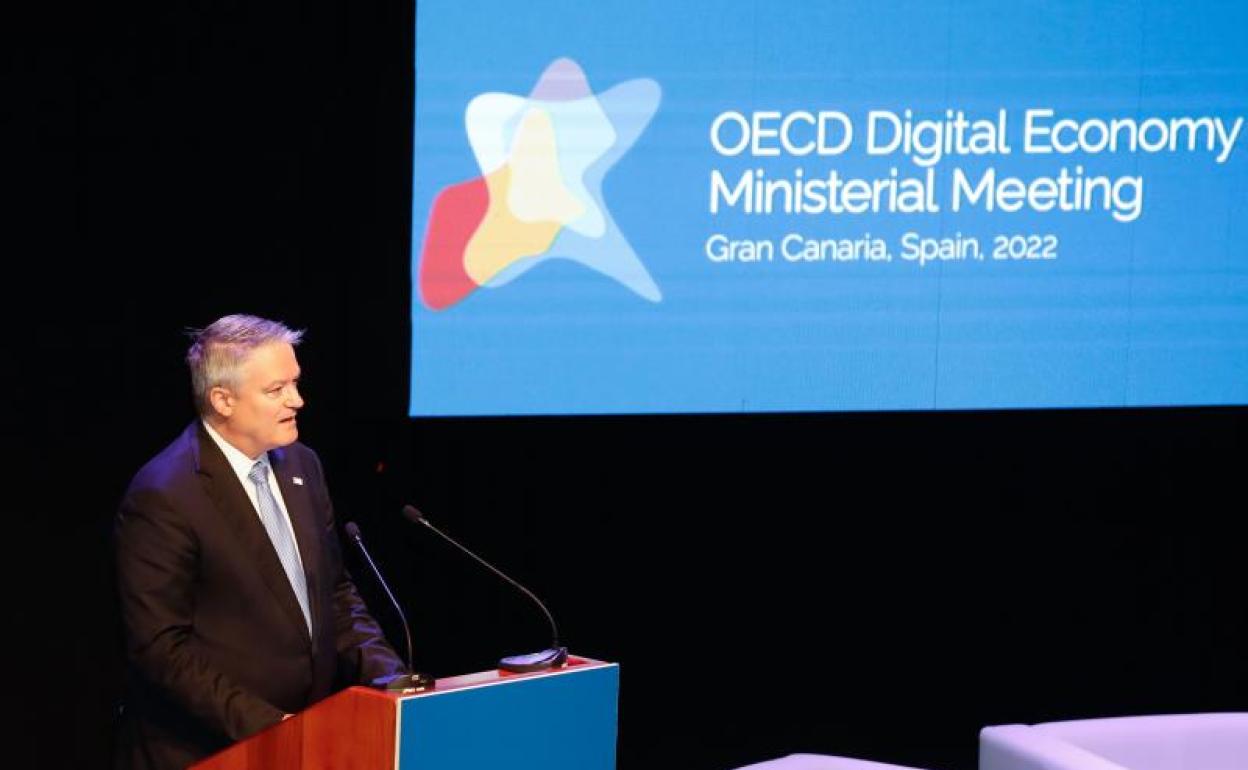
(539, 196)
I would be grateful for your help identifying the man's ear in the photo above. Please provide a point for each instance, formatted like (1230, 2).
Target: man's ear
(222, 401)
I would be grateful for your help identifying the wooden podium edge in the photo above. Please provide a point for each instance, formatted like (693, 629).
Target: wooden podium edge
(352, 730)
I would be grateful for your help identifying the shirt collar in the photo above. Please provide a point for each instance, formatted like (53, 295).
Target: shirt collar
(241, 463)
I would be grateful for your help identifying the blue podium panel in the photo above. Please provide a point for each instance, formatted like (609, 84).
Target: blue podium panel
(559, 721)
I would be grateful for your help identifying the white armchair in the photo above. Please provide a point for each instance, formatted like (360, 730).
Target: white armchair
(1166, 742)
(821, 762)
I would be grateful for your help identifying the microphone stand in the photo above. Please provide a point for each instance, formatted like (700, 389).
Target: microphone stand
(413, 682)
(553, 657)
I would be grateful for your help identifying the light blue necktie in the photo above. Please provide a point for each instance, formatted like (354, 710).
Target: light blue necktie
(271, 516)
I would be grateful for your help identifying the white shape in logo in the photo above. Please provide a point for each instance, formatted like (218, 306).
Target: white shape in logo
(591, 133)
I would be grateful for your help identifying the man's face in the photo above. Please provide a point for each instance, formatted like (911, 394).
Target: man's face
(259, 414)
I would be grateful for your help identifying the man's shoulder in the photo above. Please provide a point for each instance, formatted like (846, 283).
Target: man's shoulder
(172, 466)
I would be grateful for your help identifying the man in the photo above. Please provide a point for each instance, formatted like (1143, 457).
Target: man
(236, 606)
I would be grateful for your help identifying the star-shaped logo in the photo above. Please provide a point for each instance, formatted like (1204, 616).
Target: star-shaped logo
(542, 158)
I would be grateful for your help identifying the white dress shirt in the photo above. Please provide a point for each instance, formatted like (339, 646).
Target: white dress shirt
(242, 464)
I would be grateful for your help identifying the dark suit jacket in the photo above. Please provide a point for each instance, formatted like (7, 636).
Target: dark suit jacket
(216, 643)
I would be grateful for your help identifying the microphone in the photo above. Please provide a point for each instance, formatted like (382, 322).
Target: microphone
(417, 682)
(553, 657)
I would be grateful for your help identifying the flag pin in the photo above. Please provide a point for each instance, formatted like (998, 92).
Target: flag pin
(298, 481)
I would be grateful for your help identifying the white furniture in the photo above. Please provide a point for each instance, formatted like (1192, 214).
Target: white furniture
(821, 762)
(1166, 742)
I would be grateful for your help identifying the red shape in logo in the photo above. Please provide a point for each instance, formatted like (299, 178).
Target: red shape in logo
(456, 214)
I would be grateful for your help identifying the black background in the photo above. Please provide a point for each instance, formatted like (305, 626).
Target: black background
(874, 585)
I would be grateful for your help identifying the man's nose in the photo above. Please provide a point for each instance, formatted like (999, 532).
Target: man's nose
(293, 399)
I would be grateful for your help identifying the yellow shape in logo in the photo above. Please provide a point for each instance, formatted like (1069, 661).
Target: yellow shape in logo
(537, 191)
(529, 203)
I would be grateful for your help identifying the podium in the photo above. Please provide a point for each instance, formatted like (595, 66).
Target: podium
(564, 719)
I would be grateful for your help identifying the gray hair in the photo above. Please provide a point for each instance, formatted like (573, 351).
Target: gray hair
(218, 351)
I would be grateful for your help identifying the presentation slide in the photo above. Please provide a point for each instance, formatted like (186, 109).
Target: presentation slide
(731, 206)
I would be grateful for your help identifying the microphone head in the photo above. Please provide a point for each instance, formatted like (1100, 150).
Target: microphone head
(414, 515)
(353, 531)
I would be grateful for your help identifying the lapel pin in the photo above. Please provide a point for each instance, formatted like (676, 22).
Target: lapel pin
(298, 481)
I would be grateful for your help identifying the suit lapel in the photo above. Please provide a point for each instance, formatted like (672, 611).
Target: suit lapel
(239, 515)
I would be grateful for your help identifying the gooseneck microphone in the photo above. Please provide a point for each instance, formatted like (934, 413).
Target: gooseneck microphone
(537, 661)
(400, 682)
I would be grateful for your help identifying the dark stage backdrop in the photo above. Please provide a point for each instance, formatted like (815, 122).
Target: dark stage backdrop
(876, 585)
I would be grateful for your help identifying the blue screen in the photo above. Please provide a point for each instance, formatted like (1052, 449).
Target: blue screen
(645, 207)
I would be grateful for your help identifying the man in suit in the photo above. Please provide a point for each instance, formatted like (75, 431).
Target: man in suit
(237, 609)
